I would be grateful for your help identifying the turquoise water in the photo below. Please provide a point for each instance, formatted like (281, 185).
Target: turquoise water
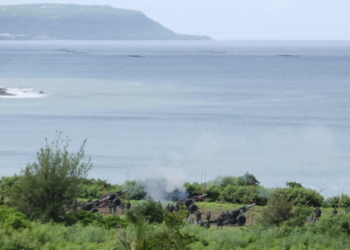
(184, 110)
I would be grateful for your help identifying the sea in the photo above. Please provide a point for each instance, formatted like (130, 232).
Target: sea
(183, 110)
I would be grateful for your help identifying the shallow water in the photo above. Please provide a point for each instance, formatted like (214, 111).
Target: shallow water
(184, 110)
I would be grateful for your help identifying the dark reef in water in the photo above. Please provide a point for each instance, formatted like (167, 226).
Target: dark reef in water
(288, 55)
(138, 56)
(3, 92)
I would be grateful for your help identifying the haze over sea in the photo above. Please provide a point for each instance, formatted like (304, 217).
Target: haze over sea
(188, 110)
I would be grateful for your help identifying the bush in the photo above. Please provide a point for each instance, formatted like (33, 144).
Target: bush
(56, 236)
(301, 196)
(334, 226)
(238, 194)
(164, 237)
(167, 235)
(248, 180)
(10, 217)
(294, 184)
(228, 194)
(213, 193)
(231, 189)
(300, 214)
(114, 221)
(175, 221)
(263, 195)
(6, 183)
(93, 189)
(85, 218)
(338, 201)
(135, 191)
(224, 181)
(148, 209)
(278, 210)
(193, 189)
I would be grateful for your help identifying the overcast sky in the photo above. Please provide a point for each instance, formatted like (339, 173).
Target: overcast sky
(240, 19)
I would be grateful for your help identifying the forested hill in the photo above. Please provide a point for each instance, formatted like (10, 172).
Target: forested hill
(79, 22)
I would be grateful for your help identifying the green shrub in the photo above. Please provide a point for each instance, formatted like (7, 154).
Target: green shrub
(6, 183)
(194, 189)
(167, 235)
(263, 195)
(174, 221)
(228, 194)
(138, 236)
(294, 184)
(162, 237)
(299, 216)
(114, 221)
(86, 218)
(148, 209)
(224, 181)
(301, 196)
(135, 191)
(93, 189)
(278, 210)
(213, 193)
(11, 217)
(335, 226)
(239, 194)
(338, 201)
(248, 180)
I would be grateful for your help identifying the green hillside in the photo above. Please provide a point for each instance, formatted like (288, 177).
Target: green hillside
(78, 22)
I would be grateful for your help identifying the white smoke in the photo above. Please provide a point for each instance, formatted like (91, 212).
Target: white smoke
(159, 182)
(308, 155)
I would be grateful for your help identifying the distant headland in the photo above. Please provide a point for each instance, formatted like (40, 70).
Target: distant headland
(80, 22)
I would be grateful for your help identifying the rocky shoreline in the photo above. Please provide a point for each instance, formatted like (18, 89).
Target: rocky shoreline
(4, 93)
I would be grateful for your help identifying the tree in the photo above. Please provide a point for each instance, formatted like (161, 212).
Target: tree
(193, 189)
(248, 180)
(294, 184)
(228, 180)
(47, 187)
(213, 192)
(6, 183)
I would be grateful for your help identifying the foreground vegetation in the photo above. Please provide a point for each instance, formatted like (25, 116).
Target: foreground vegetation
(16, 232)
(39, 210)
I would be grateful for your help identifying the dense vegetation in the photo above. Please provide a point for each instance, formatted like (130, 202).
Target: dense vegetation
(37, 211)
(95, 231)
(77, 22)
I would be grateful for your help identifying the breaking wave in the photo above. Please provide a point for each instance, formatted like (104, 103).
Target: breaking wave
(21, 93)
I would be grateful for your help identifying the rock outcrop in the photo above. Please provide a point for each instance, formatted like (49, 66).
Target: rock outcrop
(3, 92)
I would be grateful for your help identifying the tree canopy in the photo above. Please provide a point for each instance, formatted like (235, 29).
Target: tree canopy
(48, 188)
